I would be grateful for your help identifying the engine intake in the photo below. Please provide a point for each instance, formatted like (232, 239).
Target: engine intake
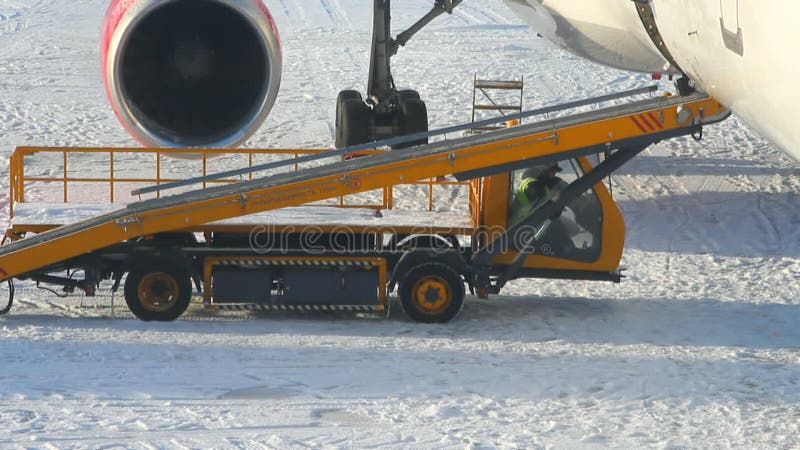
(191, 73)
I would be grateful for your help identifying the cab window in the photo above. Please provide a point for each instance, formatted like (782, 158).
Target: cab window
(577, 233)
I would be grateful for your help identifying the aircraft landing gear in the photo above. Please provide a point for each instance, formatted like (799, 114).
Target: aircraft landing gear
(386, 112)
(358, 123)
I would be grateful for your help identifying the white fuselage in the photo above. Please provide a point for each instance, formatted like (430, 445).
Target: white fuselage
(742, 52)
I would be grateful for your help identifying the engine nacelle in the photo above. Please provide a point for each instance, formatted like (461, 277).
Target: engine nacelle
(190, 73)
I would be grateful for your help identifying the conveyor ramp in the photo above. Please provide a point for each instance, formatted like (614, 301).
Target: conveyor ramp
(635, 124)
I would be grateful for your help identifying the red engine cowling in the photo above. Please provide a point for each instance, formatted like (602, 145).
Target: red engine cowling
(190, 73)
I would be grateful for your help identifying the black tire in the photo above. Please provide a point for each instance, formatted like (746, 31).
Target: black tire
(340, 99)
(432, 292)
(159, 291)
(407, 243)
(348, 94)
(10, 300)
(412, 118)
(355, 123)
(407, 95)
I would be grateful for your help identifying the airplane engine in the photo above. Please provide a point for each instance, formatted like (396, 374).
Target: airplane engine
(190, 73)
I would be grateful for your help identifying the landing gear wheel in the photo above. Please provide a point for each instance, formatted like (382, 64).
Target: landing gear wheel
(343, 97)
(353, 122)
(412, 118)
(407, 94)
(432, 292)
(347, 94)
(158, 291)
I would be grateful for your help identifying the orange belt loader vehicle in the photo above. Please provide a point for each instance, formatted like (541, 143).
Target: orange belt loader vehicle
(245, 241)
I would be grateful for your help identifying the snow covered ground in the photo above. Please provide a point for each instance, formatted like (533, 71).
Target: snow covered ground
(699, 347)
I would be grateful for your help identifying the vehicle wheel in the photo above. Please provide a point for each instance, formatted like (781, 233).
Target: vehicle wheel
(432, 292)
(407, 95)
(340, 99)
(353, 128)
(413, 118)
(7, 295)
(407, 243)
(159, 291)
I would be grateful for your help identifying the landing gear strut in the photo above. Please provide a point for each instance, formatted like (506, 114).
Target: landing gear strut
(385, 112)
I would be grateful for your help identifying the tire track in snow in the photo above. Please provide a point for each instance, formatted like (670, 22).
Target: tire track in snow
(340, 12)
(488, 13)
(777, 236)
(671, 185)
(639, 189)
(667, 194)
(303, 422)
(336, 14)
(325, 74)
(773, 235)
(673, 194)
(465, 16)
(286, 11)
(13, 21)
(344, 25)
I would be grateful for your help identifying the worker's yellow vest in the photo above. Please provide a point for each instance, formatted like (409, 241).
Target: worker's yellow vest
(522, 206)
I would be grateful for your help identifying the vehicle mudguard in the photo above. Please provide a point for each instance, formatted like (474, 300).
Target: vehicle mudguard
(415, 257)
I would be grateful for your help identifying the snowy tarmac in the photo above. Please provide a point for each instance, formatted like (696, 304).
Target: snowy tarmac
(698, 347)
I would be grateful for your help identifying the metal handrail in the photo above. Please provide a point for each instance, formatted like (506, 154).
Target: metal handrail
(18, 179)
(402, 139)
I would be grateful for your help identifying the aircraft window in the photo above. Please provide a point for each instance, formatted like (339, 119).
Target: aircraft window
(577, 233)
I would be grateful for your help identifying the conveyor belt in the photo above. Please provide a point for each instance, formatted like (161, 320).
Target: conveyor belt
(563, 137)
(498, 122)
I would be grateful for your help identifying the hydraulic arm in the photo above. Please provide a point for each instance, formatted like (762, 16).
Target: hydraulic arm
(384, 47)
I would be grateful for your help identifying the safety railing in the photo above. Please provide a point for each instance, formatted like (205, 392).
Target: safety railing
(65, 177)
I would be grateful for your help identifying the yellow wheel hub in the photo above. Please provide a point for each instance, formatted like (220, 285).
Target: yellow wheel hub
(158, 291)
(432, 295)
